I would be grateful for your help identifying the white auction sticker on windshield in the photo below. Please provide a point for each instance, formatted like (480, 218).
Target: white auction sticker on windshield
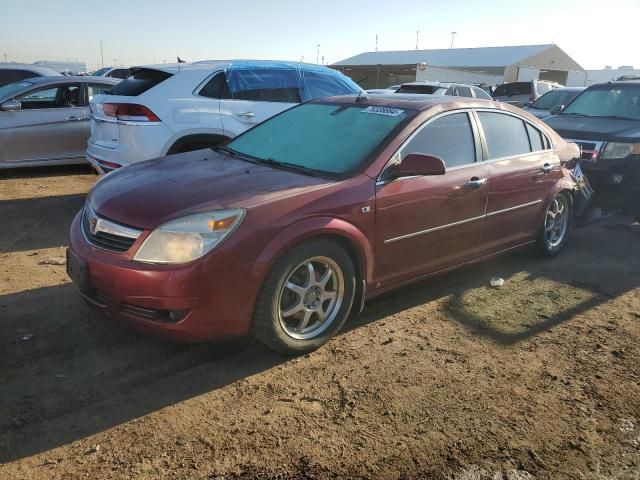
(388, 111)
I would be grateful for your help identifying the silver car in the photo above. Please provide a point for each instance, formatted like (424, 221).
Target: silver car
(45, 120)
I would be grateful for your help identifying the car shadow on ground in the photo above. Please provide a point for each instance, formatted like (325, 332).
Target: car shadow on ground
(68, 373)
(44, 172)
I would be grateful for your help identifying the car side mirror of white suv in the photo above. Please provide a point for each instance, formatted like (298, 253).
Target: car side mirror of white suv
(11, 106)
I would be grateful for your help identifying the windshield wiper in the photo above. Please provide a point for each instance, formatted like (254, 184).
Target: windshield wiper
(616, 117)
(576, 114)
(289, 166)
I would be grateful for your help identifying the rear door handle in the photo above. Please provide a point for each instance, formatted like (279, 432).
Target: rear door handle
(546, 168)
(476, 182)
(73, 119)
(246, 114)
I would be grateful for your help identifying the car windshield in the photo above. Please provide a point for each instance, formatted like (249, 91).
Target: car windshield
(12, 88)
(617, 101)
(101, 72)
(318, 137)
(553, 98)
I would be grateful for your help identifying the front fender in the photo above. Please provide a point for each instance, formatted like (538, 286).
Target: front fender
(319, 226)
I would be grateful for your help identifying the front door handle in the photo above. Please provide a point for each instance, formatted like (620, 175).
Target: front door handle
(476, 183)
(73, 119)
(546, 168)
(246, 114)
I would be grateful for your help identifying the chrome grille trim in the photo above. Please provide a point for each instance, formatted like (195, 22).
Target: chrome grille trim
(106, 234)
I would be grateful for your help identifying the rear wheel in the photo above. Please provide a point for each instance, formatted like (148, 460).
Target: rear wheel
(554, 233)
(306, 298)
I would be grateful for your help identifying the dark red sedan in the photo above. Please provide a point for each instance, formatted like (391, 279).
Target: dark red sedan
(289, 227)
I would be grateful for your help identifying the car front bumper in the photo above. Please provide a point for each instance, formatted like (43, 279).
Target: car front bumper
(209, 298)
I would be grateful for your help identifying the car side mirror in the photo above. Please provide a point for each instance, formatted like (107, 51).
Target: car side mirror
(419, 164)
(556, 109)
(11, 106)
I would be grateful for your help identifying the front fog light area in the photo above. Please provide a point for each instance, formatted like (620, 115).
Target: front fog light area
(187, 238)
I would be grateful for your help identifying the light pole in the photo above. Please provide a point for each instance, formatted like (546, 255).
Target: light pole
(417, 38)
(453, 35)
(318, 55)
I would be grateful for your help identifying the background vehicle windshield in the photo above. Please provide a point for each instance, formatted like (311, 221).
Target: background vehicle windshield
(510, 89)
(553, 98)
(326, 137)
(617, 101)
(102, 71)
(13, 88)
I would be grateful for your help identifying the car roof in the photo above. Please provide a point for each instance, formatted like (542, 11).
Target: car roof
(246, 63)
(415, 101)
(621, 83)
(70, 78)
(568, 89)
(30, 68)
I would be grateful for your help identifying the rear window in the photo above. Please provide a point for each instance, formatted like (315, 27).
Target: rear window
(142, 80)
(425, 89)
(9, 76)
(510, 89)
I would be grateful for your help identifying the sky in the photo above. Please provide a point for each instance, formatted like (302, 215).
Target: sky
(595, 33)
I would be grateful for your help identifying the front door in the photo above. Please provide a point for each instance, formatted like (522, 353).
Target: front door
(426, 224)
(51, 125)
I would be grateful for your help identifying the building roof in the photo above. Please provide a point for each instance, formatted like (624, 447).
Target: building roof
(450, 57)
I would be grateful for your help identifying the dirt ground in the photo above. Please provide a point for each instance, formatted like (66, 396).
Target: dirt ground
(448, 378)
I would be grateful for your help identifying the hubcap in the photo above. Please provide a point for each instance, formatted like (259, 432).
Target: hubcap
(310, 298)
(556, 221)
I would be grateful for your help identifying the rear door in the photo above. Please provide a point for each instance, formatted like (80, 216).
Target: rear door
(51, 124)
(523, 170)
(256, 94)
(425, 224)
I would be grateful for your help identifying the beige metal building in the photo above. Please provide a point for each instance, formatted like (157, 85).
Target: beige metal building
(473, 65)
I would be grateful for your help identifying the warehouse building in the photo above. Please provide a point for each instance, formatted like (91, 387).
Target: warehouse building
(493, 65)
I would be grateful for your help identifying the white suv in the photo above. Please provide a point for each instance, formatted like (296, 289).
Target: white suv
(165, 109)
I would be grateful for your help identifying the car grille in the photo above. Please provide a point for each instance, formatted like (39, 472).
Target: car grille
(106, 234)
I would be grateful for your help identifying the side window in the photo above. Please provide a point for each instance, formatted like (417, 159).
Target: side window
(464, 91)
(480, 93)
(216, 87)
(63, 96)
(506, 135)
(11, 76)
(264, 84)
(94, 89)
(452, 91)
(535, 137)
(320, 85)
(449, 137)
(120, 73)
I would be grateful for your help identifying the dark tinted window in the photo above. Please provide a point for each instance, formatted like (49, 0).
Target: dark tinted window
(463, 91)
(142, 80)
(216, 87)
(449, 137)
(506, 136)
(264, 84)
(510, 89)
(426, 89)
(320, 85)
(120, 73)
(535, 137)
(10, 76)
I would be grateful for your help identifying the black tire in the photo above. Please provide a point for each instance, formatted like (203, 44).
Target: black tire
(544, 245)
(269, 325)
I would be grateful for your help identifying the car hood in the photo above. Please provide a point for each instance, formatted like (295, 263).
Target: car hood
(596, 129)
(148, 194)
(537, 112)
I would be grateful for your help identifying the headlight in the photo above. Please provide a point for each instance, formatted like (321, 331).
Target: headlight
(620, 150)
(187, 238)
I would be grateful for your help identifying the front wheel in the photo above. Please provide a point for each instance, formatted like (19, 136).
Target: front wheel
(554, 233)
(306, 298)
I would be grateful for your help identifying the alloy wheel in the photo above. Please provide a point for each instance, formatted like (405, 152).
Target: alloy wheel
(556, 221)
(310, 298)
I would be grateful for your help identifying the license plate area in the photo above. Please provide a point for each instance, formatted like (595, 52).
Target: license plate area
(78, 271)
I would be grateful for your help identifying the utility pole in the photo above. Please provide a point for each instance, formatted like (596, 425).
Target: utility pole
(376, 42)
(322, 59)
(5, 58)
(417, 39)
(318, 54)
(453, 35)
(101, 55)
